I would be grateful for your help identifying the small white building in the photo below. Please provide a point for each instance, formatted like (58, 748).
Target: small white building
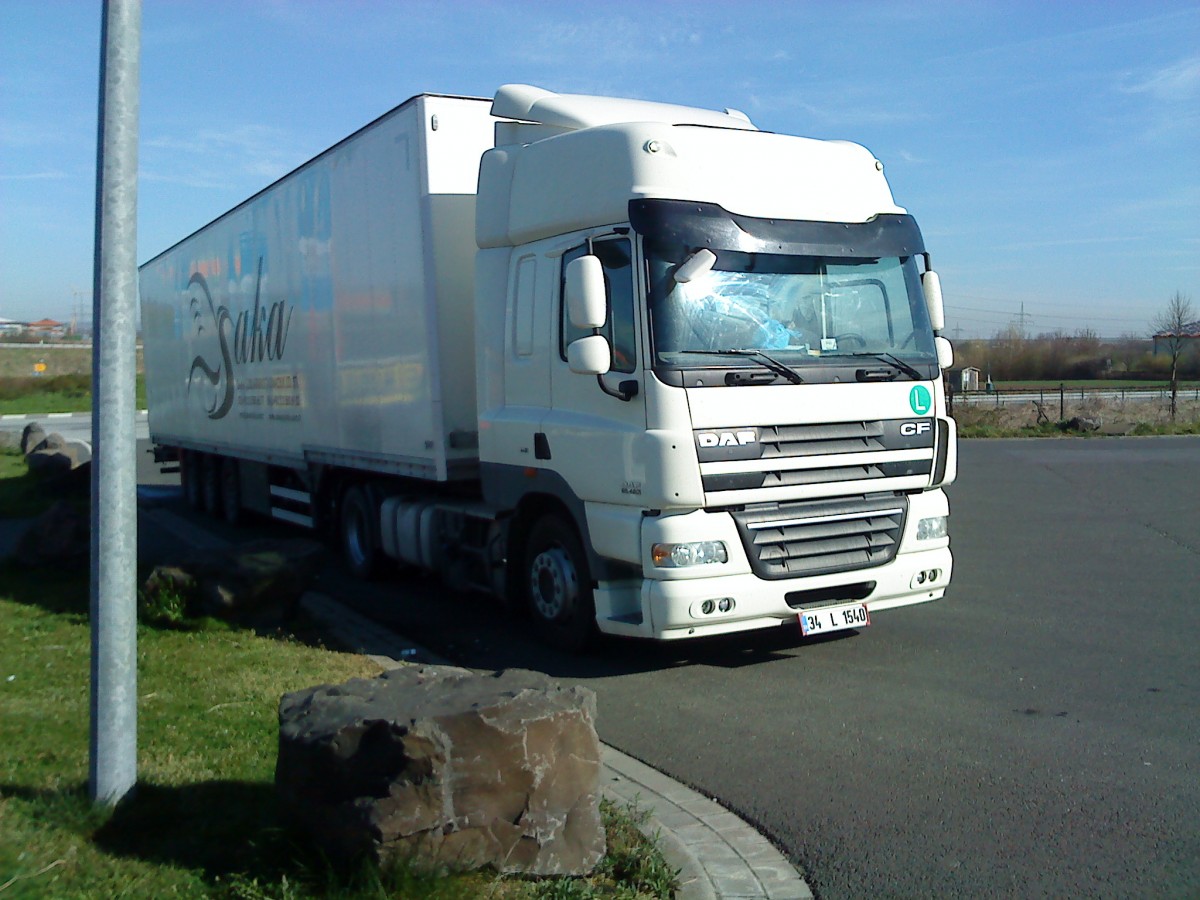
(10, 327)
(969, 379)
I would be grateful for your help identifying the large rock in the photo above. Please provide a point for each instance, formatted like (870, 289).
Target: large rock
(32, 437)
(59, 536)
(244, 579)
(56, 457)
(1084, 423)
(447, 767)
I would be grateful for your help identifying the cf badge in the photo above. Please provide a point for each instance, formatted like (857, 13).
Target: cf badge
(912, 429)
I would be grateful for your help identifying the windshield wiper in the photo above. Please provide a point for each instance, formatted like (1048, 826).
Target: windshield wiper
(893, 361)
(767, 362)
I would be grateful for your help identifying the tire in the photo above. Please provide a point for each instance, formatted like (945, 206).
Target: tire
(189, 478)
(559, 585)
(210, 483)
(357, 534)
(231, 491)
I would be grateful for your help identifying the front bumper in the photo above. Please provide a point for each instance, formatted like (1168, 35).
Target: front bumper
(675, 607)
(672, 604)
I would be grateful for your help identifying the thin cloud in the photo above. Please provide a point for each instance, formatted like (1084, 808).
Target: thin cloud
(1176, 83)
(20, 135)
(258, 152)
(50, 175)
(1070, 242)
(850, 113)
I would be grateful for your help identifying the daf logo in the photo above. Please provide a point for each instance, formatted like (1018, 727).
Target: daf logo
(726, 438)
(912, 429)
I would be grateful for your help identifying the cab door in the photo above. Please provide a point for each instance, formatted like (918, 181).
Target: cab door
(591, 435)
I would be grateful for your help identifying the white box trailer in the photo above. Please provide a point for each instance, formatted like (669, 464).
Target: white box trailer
(640, 367)
(328, 319)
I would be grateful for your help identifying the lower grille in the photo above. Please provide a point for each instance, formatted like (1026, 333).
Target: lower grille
(804, 539)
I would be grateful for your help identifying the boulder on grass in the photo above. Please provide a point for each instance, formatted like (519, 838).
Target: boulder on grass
(244, 579)
(1084, 423)
(55, 457)
(444, 767)
(10, 440)
(61, 536)
(32, 437)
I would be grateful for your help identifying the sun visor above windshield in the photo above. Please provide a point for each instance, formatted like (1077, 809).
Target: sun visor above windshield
(696, 225)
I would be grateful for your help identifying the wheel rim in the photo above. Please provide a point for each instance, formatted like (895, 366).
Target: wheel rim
(553, 583)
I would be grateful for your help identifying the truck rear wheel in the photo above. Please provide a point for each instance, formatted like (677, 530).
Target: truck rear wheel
(559, 585)
(189, 477)
(210, 483)
(231, 491)
(357, 534)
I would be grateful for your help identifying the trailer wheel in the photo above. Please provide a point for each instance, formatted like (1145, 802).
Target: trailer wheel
(189, 477)
(559, 585)
(231, 491)
(358, 534)
(210, 483)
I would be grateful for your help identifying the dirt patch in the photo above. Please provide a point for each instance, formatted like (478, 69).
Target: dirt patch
(1116, 415)
(21, 361)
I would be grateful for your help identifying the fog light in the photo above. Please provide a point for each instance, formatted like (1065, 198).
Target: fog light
(696, 553)
(725, 604)
(925, 577)
(931, 529)
(707, 607)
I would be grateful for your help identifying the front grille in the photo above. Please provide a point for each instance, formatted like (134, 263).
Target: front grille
(817, 440)
(741, 481)
(789, 456)
(805, 539)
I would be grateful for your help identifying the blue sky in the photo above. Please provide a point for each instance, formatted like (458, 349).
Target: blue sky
(1050, 150)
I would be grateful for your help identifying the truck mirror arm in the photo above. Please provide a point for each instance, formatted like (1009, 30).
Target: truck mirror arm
(625, 391)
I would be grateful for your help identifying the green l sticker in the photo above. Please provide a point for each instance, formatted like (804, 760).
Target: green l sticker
(920, 399)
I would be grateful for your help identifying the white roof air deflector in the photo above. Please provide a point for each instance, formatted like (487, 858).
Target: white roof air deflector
(574, 111)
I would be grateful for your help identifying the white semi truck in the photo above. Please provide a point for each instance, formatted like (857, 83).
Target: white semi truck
(641, 368)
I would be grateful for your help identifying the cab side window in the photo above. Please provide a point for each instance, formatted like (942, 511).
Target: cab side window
(616, 258)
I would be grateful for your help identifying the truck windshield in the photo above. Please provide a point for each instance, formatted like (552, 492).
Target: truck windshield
(803, 310)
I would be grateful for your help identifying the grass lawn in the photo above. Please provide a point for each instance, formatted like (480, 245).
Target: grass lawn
(61, 393)
(203, 820)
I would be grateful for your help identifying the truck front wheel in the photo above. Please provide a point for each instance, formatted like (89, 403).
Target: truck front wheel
(358, 534)
(559, 585)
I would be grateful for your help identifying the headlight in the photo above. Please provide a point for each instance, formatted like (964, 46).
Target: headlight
(696, 553)
(930, 529)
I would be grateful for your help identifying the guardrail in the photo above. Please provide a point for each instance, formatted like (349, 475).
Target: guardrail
(1044, 398)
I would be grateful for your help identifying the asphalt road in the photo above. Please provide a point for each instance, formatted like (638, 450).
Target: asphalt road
(1035, 733)
(72, 426)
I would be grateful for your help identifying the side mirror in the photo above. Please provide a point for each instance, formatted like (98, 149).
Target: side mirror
(932, 286)
(698, 264)
(589, 355)
(587, 303)
(945, 352)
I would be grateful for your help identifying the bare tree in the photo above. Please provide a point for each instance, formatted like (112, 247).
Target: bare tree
(1172, 328)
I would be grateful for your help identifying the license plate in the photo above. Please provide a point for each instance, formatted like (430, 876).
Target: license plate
(834, 618)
